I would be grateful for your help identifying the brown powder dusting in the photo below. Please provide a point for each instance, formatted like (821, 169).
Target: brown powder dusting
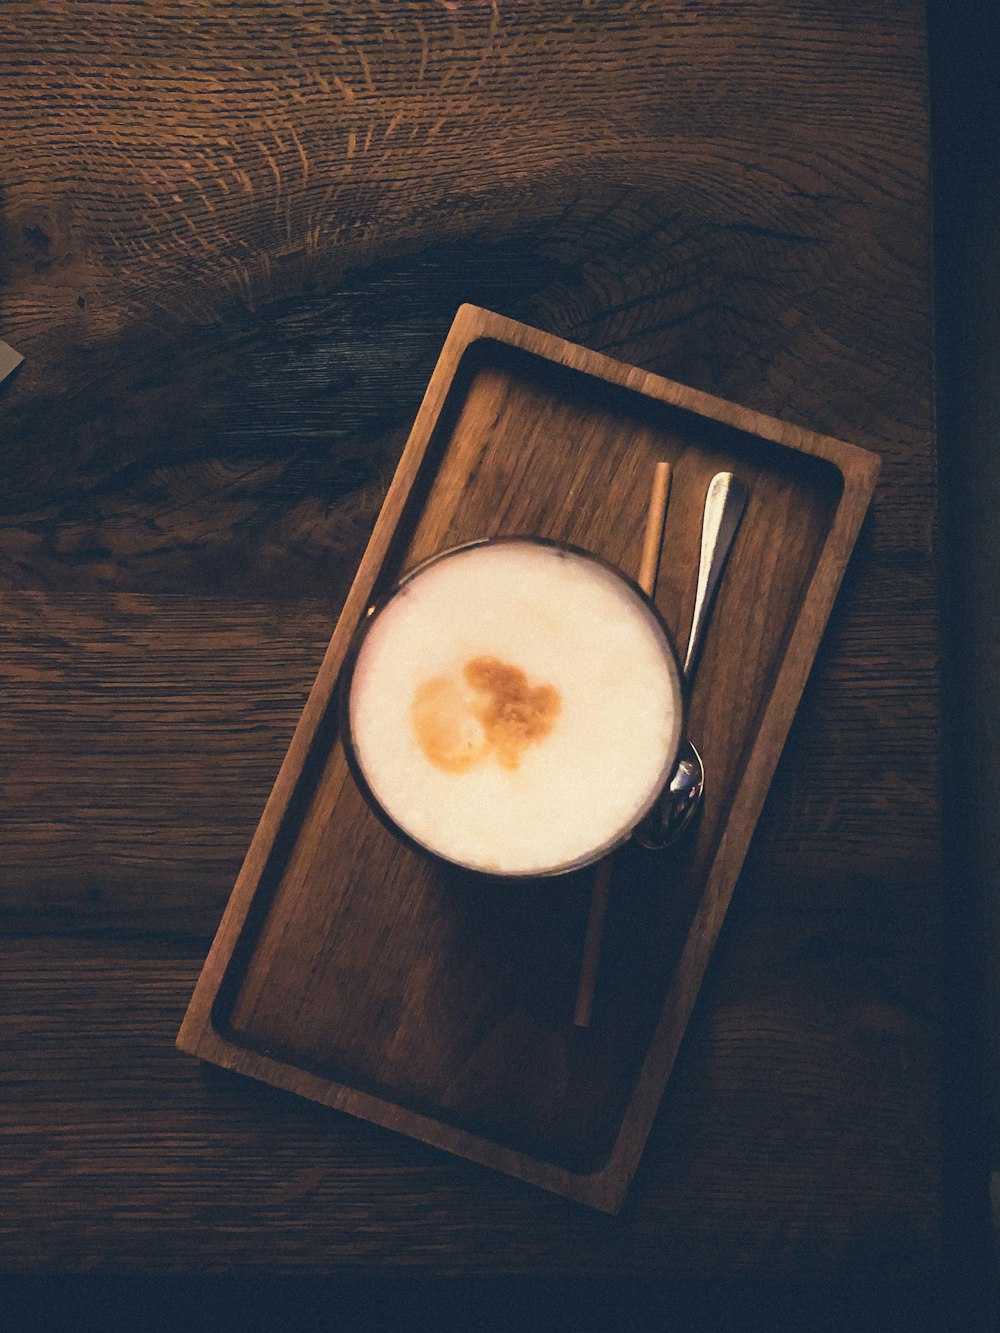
(513, 713)
(497, 712)
(447, 730)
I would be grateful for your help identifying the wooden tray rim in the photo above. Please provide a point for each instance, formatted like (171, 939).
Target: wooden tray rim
(604, 1188)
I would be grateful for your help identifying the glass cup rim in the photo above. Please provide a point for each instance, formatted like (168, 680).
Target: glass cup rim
(379, 603)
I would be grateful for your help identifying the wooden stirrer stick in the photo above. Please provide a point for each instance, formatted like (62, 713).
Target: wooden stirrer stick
(648, 566)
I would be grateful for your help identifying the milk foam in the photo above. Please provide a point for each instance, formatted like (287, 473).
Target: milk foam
(566, 622)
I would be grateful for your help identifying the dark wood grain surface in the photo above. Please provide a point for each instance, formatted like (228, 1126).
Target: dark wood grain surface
(233, 240)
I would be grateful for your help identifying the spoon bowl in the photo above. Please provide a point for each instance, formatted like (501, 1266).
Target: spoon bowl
(671, 817)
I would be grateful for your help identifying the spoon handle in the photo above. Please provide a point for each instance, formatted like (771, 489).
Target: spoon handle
(724, 505)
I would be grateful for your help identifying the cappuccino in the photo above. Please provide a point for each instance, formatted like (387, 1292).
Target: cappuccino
(515, 707)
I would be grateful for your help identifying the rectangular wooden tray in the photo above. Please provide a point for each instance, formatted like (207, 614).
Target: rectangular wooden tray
(353, 971)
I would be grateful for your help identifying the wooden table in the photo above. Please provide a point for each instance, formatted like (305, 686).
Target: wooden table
(235, 239)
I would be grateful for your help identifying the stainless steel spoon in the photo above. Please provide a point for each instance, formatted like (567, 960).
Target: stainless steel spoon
(724, 506)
